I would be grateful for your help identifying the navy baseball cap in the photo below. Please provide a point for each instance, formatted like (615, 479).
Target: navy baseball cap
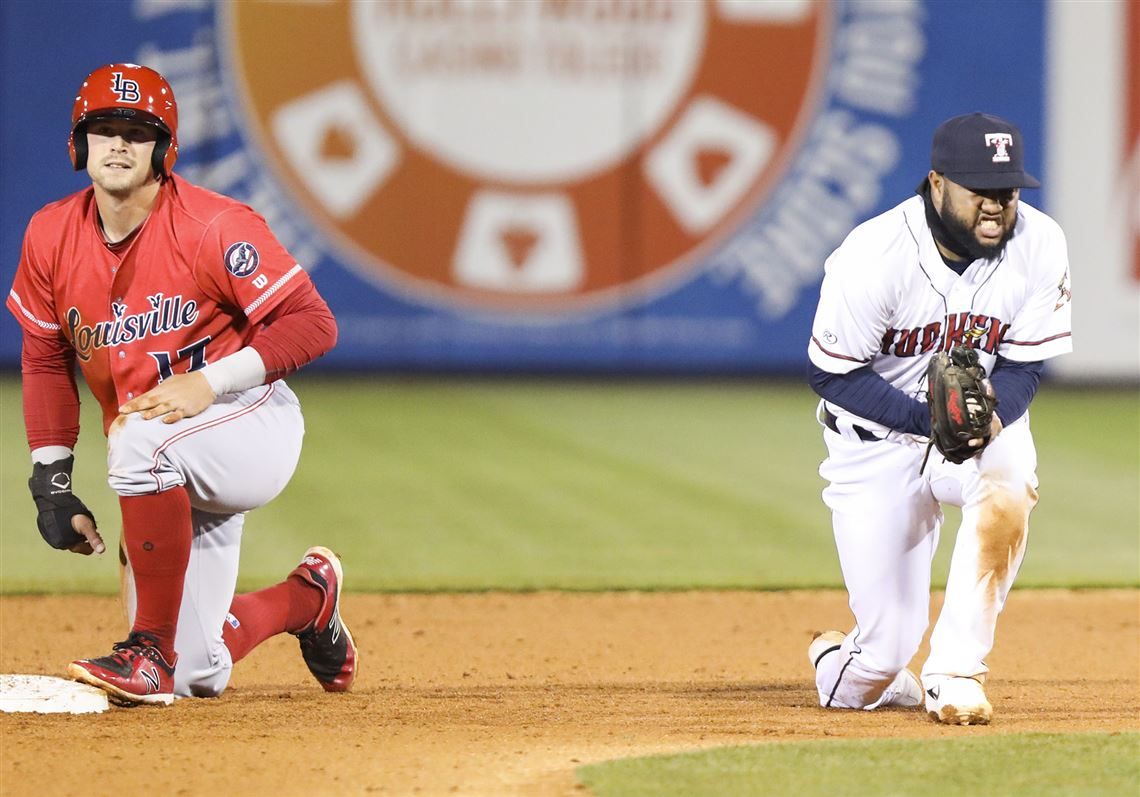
(981, 151)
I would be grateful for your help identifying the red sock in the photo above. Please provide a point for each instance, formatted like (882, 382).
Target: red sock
(156, 535)
(288, 606)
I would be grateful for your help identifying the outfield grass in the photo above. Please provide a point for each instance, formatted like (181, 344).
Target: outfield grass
(477, 484)
(1027, 765)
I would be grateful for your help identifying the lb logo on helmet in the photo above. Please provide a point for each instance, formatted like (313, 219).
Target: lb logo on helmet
(242, 259)
(127, 90)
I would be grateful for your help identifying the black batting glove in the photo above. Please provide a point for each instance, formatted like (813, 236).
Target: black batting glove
(51, 490)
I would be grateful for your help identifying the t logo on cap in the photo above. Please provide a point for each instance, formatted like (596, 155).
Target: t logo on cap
(1001, 141)
(1000, 163)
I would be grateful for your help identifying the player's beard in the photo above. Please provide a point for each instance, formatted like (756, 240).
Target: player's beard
(121, 185)
(962, 233)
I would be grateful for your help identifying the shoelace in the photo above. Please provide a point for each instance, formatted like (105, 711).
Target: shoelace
(138, 643)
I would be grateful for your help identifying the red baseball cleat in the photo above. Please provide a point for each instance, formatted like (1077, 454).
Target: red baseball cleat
(326, 644)
(136, 673)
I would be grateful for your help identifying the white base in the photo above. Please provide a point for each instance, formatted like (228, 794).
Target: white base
(45, 694)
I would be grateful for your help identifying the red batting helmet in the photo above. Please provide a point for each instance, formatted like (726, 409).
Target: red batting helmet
(126, 91)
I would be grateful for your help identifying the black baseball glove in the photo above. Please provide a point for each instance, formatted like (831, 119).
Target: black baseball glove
(51, 490)
(961, 404)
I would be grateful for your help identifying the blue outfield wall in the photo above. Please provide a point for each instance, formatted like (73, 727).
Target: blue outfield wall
(537, 185)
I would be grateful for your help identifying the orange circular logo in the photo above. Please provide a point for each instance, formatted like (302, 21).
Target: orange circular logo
(528, 154)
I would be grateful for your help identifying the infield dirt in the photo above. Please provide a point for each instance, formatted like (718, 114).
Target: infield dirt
(506, 694)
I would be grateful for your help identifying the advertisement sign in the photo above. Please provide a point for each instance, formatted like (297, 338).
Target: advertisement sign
(541, 185)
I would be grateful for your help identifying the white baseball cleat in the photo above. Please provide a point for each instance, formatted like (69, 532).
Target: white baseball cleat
(905, 691)
(957, 700)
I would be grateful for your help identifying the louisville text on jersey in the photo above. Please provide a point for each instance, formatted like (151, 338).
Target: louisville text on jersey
(977, 331)
(166, 314)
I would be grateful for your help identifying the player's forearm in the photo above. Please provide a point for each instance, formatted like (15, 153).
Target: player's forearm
(866, 394)
(45, 455)
(236, 372)
(298, 331)
(1014, 384)
(50, 397)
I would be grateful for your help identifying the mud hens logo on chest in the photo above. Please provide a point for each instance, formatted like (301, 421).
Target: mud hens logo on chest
(532, 155)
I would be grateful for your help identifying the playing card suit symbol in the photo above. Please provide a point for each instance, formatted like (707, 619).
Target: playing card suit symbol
(710, 163)
(519, 243)
(337, 144)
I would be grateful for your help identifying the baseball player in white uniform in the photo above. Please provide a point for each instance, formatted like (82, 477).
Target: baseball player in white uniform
(965, 261)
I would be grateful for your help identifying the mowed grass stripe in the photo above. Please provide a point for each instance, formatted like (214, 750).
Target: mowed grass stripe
(1024, 765)
(529, 484)
(1088, 448)
(592, 479)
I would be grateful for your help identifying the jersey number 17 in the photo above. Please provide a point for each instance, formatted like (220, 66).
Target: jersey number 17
(196, 351)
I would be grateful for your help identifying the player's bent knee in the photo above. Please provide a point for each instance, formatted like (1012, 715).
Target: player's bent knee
(202, 676)
(1008, 502)
(204, 663)
(1003, 522)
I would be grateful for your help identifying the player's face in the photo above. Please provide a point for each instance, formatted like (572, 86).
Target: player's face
(119, 154)
(980, 220)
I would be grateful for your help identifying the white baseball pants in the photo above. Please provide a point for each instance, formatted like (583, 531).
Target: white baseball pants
(886, 519)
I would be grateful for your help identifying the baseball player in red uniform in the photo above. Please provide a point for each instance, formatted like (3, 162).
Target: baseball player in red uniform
(184, 313)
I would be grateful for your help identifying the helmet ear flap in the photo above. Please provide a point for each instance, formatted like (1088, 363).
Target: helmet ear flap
(78, 147)
(158, 155)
